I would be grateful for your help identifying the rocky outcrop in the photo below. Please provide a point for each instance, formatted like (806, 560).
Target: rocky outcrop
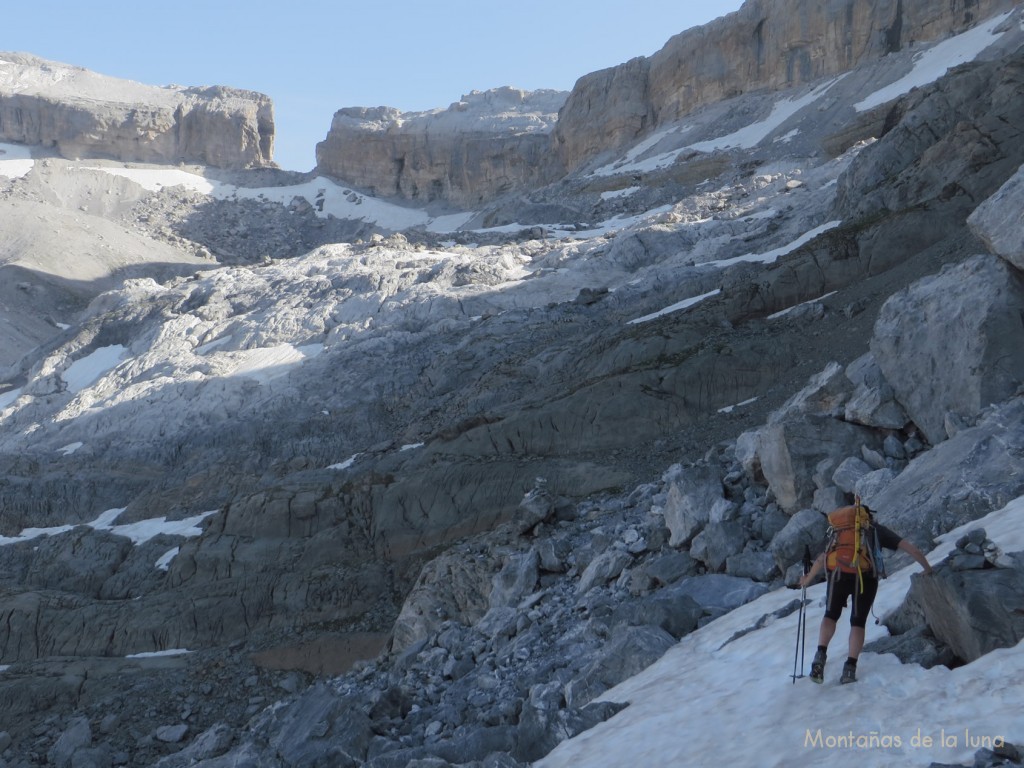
(82, 114)
(766, 44)
(485, 145)
(966, 321)
(999, 221)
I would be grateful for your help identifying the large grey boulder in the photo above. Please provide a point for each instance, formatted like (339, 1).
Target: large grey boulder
(952, 342)
(717, 592)
(807, 528)
(717, 542)
(628, 651)
(979, 470)
(692, 494)
(975, 609)
(999, 221)
(873, 402)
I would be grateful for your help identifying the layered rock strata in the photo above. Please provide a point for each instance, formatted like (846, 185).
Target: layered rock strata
(84, 114)
(767, 44)
(480, 147)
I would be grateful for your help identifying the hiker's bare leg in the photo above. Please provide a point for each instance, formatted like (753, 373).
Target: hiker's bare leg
(827, 629)
(856, 641)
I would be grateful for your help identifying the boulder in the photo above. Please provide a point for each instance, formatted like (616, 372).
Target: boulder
(628, 651)
(692, 494)
(927, 498)
(951, 342)
(999, 221)
(76, 736)
(972, 611)
(718, 592)
(807, 528)
(758, 566)
(873, 402)
(602, 569)
(516, 579)
(713, 545)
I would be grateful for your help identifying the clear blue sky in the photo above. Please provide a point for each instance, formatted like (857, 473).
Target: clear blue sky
(313, 57)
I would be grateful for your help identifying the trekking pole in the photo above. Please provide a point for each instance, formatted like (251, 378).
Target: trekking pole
(801, 624)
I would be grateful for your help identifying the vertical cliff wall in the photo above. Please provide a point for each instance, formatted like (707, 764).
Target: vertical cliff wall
(84, 114)
(486, 144)
(766, 44)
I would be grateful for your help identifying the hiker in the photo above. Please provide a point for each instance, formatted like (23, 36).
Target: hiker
(850, 561)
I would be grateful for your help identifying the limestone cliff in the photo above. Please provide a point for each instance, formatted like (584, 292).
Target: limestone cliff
(766, 44)
(481, 146)
(84, 114)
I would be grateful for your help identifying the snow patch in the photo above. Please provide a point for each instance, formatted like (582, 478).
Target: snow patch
(346, 463)
(164, 563)
(155, 654)
(770, 257)
(731, 408)
(787, 310)
(15, 160)
(685, 303)
(70, 448)
(751, 135)
(86, 371)
(327, 198)
(933, 63)
(139, 532)
(9, 397)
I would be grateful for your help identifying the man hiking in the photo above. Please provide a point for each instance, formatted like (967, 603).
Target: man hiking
(852, 561)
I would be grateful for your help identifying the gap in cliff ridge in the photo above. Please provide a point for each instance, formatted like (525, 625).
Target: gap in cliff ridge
(894, 34)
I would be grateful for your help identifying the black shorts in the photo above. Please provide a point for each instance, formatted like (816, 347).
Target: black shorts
(842, 585)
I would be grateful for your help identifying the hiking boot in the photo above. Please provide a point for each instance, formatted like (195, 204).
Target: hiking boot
(849, 673)
(818, 668)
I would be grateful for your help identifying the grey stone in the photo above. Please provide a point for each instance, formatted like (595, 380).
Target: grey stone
(516, 579)
(972, 611)
(171, 734)
(873, 485)
(963, 324)
(849, 472)
(806, 528)
(692, 494)
(678, 614)
(75, 736)
(670, 567)
(828, 499)
(758, 566)
(999, 221)
(628, 651)
(718, 592)
(716, 542)
(603, 569)
(926, 499)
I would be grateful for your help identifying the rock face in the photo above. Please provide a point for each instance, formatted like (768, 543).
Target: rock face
(83, 114)
(485, 145)
(967, 320)
(766, 44)
(999, 221)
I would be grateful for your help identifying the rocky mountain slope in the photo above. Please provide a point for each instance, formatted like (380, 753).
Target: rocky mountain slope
(521, 451)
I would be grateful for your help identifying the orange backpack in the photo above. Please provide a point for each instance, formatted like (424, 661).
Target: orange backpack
(850, 542)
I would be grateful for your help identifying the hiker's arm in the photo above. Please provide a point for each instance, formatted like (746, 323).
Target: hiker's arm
(808, 577)
(916, 553)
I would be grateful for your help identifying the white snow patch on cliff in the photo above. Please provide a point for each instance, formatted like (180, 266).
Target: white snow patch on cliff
(933, 63)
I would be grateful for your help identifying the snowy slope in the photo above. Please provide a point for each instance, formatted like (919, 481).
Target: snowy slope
(712, 701)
